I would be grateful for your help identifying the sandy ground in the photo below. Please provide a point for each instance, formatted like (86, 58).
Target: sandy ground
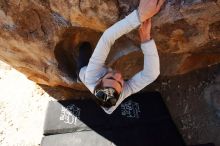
(22, 109)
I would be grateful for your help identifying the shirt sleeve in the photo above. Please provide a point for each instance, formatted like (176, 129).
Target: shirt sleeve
(149, 73)
(98, 58)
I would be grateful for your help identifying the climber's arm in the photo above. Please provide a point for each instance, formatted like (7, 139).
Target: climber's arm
(149, 73)
(151, 62)
(108, 38)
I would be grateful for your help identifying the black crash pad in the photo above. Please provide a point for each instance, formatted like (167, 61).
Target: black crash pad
(134, 136)
(141, 120)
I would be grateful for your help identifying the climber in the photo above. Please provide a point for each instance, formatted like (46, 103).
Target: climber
(108, 85)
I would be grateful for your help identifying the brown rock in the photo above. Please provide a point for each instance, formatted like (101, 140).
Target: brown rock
(40, 38)
(94, 14)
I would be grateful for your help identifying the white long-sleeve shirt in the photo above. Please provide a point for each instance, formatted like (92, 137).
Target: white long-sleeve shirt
(96, 69)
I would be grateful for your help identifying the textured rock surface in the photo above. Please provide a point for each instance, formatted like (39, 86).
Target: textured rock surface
(187, 34)
(36, 36)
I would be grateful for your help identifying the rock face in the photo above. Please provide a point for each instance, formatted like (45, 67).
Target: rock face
(187, 34)
(40, 38)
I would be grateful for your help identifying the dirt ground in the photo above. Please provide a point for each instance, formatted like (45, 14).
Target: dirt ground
(23, 105)
(22, 109)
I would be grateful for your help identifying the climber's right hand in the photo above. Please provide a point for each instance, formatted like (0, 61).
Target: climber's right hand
(148, 8)
(144, 31)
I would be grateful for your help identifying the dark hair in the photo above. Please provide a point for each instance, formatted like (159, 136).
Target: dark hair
(108, 103)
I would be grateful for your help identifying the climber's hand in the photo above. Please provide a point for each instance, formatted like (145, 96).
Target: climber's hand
(148, 8)
(144, 30)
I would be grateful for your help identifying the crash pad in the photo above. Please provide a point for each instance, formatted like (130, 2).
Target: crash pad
(141, 120)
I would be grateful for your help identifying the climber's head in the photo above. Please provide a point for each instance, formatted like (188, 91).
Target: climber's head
(109, 88)
(114, 80)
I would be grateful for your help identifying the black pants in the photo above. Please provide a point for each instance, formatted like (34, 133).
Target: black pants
(85, 52)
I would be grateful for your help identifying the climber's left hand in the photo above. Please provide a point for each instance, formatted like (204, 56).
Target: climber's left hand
(149, 8)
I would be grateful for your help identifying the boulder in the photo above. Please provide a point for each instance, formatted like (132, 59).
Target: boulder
(41, 38)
